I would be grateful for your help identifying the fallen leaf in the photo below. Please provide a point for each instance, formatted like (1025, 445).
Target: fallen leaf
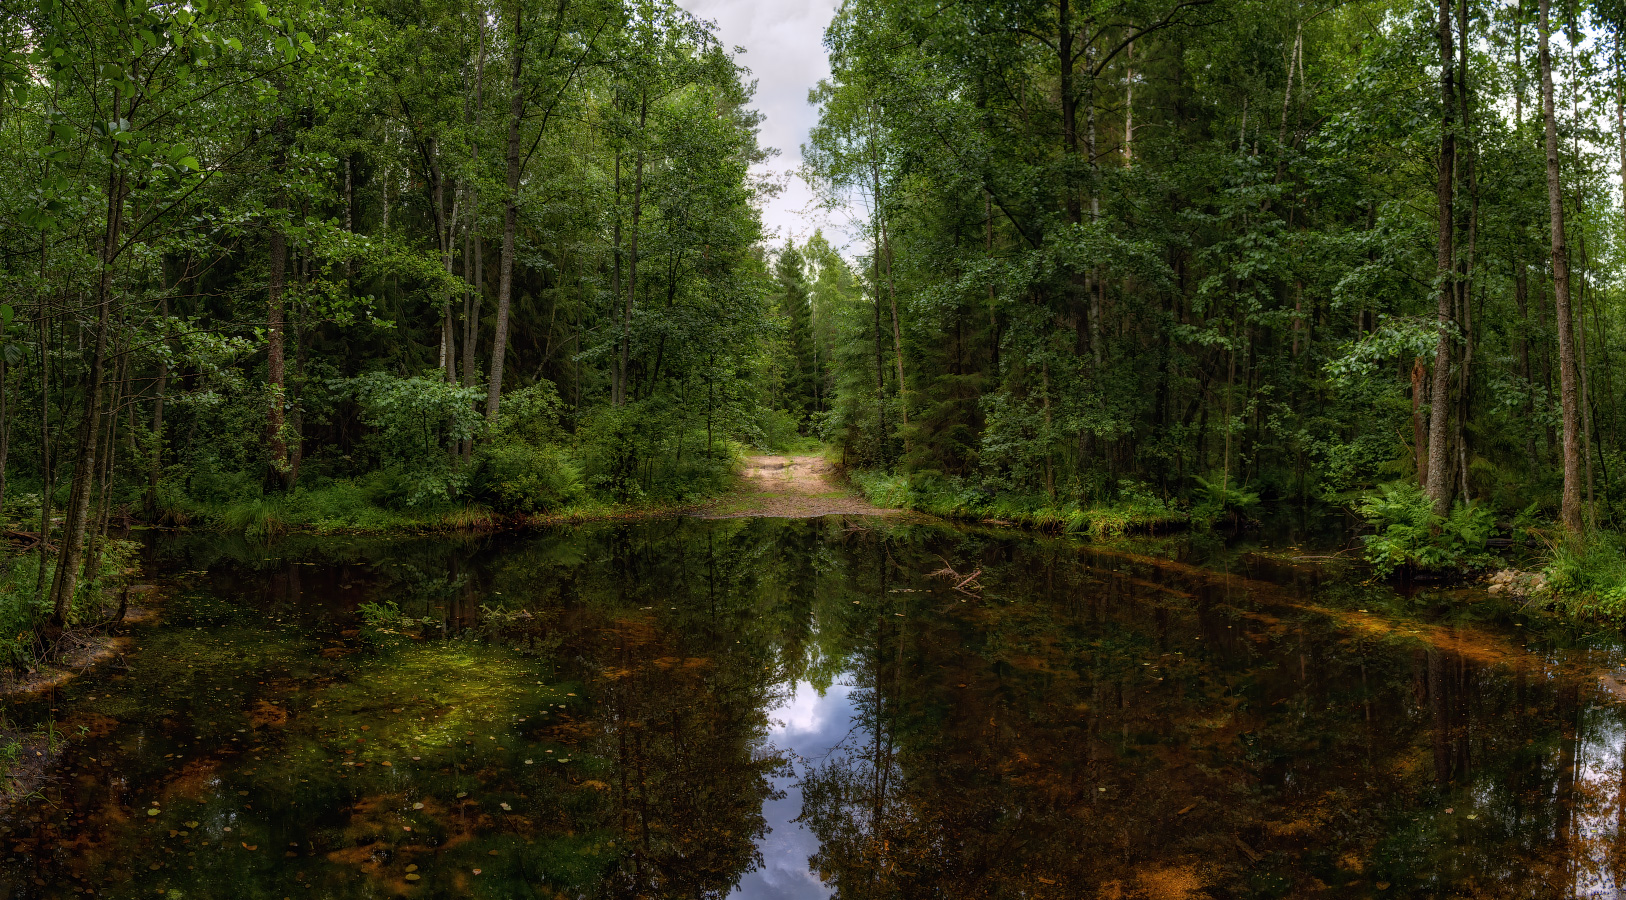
(462, 794)
(191, 824)
(152, 812)
(417, 806)
(506, 807)
(248, 846)
(1186, 810)
(412, 868)
(476, 871)
(386, 763)
(413, 876)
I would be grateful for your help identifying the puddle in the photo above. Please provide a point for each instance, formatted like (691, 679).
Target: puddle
(796, 709)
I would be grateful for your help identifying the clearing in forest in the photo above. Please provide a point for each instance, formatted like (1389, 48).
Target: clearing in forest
(790, 487)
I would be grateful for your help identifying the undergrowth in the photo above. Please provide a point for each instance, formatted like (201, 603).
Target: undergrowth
(1586, 578)
(24, 609)
(1134, 509)
(1408, 536)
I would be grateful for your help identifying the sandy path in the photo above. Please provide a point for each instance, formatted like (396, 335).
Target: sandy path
(790, 487)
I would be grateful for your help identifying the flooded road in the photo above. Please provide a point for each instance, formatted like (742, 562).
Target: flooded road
(762, 708)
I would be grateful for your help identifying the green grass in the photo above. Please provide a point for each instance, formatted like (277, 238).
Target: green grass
(1586, 578)
(346, 507)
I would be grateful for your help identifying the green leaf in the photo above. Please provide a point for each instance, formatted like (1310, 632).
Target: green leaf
(191, 162)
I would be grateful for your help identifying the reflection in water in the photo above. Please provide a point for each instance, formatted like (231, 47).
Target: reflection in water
(811, 728)
(767, 709)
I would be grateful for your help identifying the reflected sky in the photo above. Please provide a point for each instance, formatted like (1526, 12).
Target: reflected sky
(807, 728)
(623, 712)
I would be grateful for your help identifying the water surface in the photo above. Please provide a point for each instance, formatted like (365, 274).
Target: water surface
(767, 708)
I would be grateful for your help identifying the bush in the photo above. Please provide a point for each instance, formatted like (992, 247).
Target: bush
(520, 478)
(416, 425)
(1408, 535)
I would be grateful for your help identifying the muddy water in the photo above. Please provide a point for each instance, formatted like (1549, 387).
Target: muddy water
(771, 708)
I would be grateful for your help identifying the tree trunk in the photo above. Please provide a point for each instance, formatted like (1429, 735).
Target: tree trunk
(66, 583)
(510, 227)
(155, 461)
(275, 380)
(1439, 484)
(47, 472)
(1129, 105)
(1419, 371)
(473, 255)
(5, 431)
(618, 377)
(1569, 387)
(897, 334)
(632, 276)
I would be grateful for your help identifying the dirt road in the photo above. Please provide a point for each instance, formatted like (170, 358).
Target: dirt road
(790, 487)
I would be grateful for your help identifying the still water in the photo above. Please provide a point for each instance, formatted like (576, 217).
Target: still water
(760, 708)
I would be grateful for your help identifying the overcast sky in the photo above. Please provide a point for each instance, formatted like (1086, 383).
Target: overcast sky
(784, 49)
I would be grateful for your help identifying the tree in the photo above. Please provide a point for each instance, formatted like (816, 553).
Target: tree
(798, 392)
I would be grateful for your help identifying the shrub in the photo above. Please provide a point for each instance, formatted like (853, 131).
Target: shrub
(416, 423)
(1407, 533)
(520, 478)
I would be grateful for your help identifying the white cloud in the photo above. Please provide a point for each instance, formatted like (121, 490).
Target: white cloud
(784, 49)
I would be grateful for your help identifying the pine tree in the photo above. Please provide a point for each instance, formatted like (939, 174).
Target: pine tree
(798, 396)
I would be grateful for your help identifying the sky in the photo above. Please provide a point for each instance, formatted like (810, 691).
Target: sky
(784, 49)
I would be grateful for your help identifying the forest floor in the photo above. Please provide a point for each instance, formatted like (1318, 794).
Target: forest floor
(790, 487)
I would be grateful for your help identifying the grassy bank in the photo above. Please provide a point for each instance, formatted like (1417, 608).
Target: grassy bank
(1134, 510)
(347, 507)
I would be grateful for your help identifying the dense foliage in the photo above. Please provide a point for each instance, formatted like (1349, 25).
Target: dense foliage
(370, 264)
(1230, 250)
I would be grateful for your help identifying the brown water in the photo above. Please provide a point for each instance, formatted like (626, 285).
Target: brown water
(773, 708)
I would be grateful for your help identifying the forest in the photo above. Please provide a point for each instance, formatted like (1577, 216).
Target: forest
(405, 265)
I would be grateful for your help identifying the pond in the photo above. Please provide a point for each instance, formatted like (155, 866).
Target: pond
(769, 708)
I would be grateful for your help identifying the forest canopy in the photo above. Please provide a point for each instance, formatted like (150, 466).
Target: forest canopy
(1233, 252)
